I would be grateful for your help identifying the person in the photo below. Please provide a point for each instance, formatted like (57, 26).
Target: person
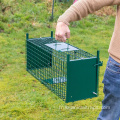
(111, 80)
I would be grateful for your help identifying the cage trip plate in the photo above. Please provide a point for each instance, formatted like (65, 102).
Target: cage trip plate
(61, 47)
(56, 80)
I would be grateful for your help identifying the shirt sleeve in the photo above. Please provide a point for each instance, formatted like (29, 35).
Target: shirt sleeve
(82, 8)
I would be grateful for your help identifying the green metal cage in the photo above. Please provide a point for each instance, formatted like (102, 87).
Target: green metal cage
(71, 73)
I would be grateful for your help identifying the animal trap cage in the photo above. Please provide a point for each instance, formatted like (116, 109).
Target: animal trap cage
(71, 73)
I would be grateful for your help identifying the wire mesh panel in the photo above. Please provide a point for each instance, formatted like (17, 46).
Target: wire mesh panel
(47, 65)
(47, 61)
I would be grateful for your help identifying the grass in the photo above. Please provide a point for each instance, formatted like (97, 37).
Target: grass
(22, 97)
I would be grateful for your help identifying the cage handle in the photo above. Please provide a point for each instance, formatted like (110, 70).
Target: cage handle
(67, 44)
(56, 42)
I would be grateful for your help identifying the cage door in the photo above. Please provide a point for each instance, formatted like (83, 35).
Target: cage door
(81, 79)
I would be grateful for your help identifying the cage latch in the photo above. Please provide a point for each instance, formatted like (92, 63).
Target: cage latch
(99, 64)
(95, 93)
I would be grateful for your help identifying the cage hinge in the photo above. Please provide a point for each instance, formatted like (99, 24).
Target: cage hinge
(99, 64)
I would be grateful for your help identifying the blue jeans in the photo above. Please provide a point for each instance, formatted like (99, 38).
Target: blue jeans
(111, 101)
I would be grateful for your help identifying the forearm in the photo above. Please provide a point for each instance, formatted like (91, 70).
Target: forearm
(82, 8)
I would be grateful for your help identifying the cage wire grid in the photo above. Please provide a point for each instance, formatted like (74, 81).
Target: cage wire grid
(49, 65)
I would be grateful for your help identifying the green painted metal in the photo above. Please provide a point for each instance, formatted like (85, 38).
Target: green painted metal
(99, 63)
(51, 34)
(71, 73)
(27, 37)
(81, 80)
(37, 57)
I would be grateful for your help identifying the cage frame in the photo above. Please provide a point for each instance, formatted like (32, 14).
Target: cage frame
(74, 93)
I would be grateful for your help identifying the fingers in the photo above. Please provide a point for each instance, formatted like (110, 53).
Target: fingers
(68, 34)
(62, 32)
(60, 37)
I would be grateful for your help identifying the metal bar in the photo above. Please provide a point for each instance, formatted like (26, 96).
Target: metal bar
(97, 72)
(51, 34)
(27, 37)
(68, 59)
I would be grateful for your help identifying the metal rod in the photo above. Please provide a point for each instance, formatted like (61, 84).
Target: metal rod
(68, 60)
(27, 36)
(51, 34)
(97, 73)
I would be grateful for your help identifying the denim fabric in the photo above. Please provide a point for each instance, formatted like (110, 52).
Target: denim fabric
(111, 101)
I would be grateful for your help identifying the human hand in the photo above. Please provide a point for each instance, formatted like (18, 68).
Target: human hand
(62, 32)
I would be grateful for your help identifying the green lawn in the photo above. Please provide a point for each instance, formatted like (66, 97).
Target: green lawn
(22, 97)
